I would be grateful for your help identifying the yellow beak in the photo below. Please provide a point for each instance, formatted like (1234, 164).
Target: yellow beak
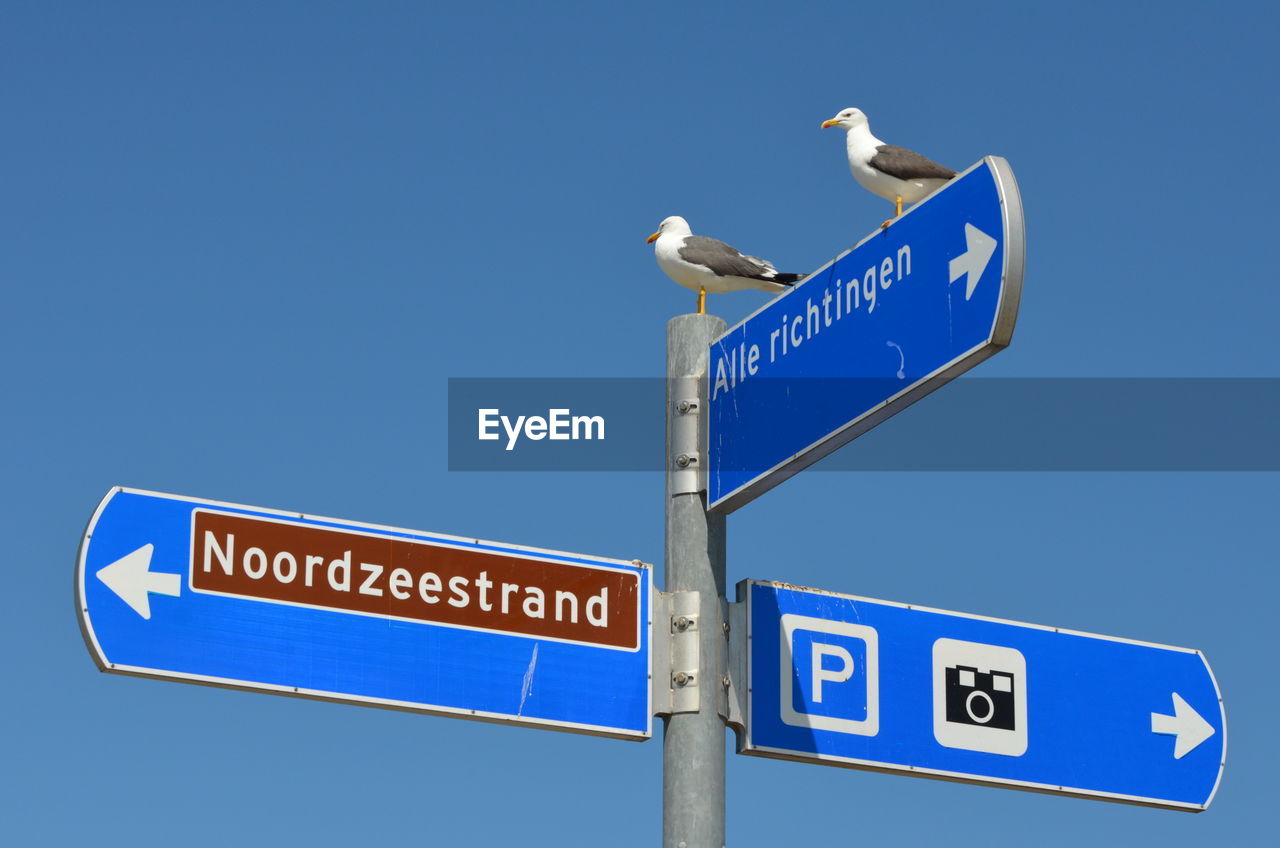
(651, 239)
(830, 122)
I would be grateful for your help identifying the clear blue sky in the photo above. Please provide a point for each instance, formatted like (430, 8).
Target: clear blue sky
(245, 246)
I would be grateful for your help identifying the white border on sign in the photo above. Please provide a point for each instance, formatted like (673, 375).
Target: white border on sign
(100, 659)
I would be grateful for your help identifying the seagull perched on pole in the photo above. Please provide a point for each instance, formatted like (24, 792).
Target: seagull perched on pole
(706, 265)
(893, 172)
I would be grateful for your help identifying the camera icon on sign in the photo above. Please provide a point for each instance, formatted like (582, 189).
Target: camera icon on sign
(983, 698)
(980, 697)
(829, 677)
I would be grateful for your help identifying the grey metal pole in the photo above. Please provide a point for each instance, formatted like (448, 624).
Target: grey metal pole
(693, 759)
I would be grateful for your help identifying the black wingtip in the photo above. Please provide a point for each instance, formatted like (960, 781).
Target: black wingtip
(788, 279)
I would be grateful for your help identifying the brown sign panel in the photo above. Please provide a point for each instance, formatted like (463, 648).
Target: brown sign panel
(369, 574)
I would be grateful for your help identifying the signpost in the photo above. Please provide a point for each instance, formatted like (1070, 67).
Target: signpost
(848, 681)
(251, 598)
(905, 311)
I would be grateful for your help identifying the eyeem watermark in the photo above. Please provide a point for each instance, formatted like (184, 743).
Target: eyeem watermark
(975, 424)
(558, 425)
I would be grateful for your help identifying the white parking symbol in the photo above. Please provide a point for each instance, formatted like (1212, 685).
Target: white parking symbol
(829, 675)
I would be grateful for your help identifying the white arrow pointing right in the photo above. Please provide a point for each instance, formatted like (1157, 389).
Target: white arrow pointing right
(132, 579)
(978, 250)
(1186, 725)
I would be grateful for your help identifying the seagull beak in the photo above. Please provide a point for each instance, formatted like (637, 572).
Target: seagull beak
(830, 122)
(651, 239)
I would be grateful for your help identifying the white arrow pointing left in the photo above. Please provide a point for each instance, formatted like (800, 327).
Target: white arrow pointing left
(132, 579)
(1186, 726)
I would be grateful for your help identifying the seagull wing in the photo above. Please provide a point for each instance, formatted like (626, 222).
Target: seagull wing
(908, 165)
(723, 260)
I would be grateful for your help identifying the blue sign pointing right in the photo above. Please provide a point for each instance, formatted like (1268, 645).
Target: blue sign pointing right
(842, 680)
(908, 309)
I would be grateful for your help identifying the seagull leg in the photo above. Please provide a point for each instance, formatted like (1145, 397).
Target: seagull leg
(897, 211)
(702, 301)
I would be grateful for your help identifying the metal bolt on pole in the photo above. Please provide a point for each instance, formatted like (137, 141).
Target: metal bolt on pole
(693, 759)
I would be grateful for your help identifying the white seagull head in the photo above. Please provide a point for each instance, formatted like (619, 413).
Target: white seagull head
(846, 119)
(675, 225)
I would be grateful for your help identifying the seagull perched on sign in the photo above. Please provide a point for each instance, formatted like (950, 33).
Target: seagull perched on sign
(893, 172)
(706, 265)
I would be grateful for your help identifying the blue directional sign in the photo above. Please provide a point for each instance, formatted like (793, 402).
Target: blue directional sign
(905, 311)
(249, 598)
(848, 681)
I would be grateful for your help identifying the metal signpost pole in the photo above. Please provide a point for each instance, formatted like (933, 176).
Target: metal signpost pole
(693, 759)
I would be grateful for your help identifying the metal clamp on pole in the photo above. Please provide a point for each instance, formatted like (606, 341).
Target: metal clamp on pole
(686, 423)
(677, 655)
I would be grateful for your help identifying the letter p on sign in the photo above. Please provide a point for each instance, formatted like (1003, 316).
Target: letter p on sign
(821, 672)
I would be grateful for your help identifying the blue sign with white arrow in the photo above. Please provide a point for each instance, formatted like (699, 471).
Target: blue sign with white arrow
(250, 598)
(848, 681)
(905, 311)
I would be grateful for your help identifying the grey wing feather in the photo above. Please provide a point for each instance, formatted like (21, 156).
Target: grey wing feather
(765, 263)
(723, 260)
(908, 165)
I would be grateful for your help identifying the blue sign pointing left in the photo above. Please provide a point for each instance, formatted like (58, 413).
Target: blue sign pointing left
(244, 597)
